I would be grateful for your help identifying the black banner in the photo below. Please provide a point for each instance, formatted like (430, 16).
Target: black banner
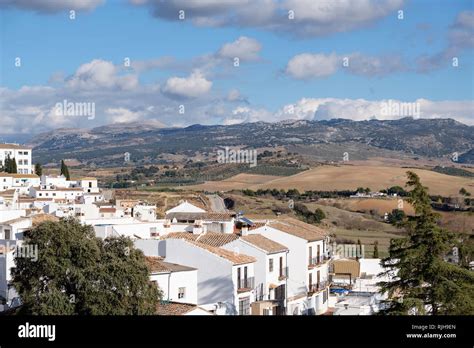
(219, 330)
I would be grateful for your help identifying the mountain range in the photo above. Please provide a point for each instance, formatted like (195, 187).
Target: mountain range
(434, 138)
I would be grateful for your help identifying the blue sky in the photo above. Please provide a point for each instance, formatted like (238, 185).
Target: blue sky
(283, 63)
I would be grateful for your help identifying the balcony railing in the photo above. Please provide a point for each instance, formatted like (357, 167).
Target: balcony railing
(283, 273)
(313, 288)
(245, 284)
(315, 261)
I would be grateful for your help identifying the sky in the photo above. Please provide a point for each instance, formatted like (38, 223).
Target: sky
(180, 62)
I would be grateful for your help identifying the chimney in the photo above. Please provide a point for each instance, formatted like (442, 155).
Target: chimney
(244, 230)
(197, 228)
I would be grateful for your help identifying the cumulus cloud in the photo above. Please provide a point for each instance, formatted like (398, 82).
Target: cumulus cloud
(51, 6)
(123, 115)
(311, 18)
(318, 65)
(244, 114)
(244, 48)
(100, 74)
(386, 109)
(192, 86)
(307, 66)
(235, 96)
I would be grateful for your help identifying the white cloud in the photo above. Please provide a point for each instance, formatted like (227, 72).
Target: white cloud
(100, 74)
(123, 115)
(312, 66)
(243, 114)
(362, 109)
(307, 66)
(244, 48)
(311, 18)
(51, 6)
(192, 86)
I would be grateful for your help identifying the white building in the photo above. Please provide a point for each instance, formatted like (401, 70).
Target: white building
(19, 182)
(177, 282)
(21, 154)
(271, 272)
(225, 279)
(308, 281)
(57, 193)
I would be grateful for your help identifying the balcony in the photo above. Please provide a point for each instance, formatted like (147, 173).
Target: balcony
(316, 261)
(314, 288)
(245, 284)
(283, 273)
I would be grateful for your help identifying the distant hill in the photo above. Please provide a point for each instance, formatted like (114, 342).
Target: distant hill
(106, 144)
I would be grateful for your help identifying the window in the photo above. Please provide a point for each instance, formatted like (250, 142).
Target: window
(310, 261)
(281, 266)
(90, 183)
(25, 162)
(153, 232)
(181, 292)
(244, 306)
(270, 265)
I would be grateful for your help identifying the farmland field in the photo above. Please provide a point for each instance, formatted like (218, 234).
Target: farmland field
(331, 177)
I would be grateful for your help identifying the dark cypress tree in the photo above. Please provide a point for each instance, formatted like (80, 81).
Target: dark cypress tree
(38, 169)
(7, 164)
(424, 283)
(376, 250)
(14, 169)
(65, 170)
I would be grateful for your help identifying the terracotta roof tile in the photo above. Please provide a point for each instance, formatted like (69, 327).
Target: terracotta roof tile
(264, 243)
(174, 308)
(216, 239)
(299, 229)
(157, 265)
(235, 258)
(180, 235)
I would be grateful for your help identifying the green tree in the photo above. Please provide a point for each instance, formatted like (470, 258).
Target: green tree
(10, 165)
(375, 255)
(65, 170)
(14, 168)
(38, 169)
(396, 217)
(319, 215)
(77, 273)
(424, 283)
(6, 164)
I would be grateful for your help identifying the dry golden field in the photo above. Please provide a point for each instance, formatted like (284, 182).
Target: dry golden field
(344, 177)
